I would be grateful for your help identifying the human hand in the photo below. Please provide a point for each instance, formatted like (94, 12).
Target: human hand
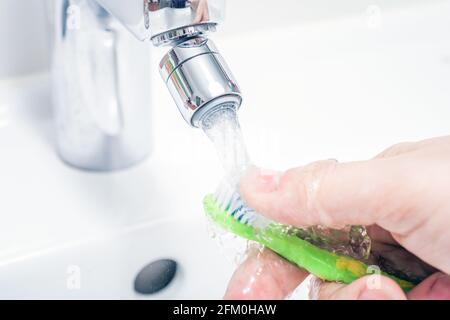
(402, 196)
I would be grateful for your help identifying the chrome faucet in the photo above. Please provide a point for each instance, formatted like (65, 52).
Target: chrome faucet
(101, 77)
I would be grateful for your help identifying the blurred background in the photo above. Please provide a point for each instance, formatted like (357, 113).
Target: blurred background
(321, 79)
(24, 26)
(25, 36)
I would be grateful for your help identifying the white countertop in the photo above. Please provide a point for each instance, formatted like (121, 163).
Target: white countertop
(329, 89)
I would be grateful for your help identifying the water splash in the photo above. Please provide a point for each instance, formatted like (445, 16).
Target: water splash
(223, 129)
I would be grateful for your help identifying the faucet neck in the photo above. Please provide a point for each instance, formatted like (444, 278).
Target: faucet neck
(166, 22)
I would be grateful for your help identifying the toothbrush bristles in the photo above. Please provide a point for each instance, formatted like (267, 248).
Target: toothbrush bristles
(229, 200)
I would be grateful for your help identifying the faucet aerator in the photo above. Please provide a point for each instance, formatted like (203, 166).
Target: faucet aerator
(199, 79)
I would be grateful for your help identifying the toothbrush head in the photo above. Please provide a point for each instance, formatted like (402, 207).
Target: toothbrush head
(227, 199)
(220, 217)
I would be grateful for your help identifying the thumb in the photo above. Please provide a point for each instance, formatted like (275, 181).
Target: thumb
(332, 194)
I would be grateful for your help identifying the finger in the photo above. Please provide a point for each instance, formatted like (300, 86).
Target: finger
(264, 275)
(397, 149)
(333, 194)
(406, 147)
(435, 287)
(373, 287)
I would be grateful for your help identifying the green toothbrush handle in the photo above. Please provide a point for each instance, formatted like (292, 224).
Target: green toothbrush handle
(322, 263)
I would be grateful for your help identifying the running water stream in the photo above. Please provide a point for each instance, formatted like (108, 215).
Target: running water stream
(223, 129)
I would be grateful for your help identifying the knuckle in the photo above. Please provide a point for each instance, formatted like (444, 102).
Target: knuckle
(302, 191)
(293, 193)
(316, 179)
(396, 149)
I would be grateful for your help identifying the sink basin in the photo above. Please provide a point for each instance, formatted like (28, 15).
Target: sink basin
(331, 88)
(106, 268)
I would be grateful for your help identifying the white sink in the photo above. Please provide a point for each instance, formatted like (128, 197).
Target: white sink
(348, 89)
(106, 268)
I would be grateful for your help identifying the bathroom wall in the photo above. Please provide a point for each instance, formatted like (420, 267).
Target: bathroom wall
(23, 37)
(24, 34)
(247, 15)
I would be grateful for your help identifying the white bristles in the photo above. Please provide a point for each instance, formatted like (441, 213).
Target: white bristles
(224, 194)
(229, 200)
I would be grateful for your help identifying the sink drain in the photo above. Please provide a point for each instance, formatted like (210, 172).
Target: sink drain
(155, 276)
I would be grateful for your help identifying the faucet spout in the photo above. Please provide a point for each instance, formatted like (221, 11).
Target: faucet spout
(196, 75)
(101, 74)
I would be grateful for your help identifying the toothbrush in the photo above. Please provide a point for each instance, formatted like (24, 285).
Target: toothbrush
(227, 209)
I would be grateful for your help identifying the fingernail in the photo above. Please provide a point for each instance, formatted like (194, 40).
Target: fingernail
(314, 288)
(267, 181)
